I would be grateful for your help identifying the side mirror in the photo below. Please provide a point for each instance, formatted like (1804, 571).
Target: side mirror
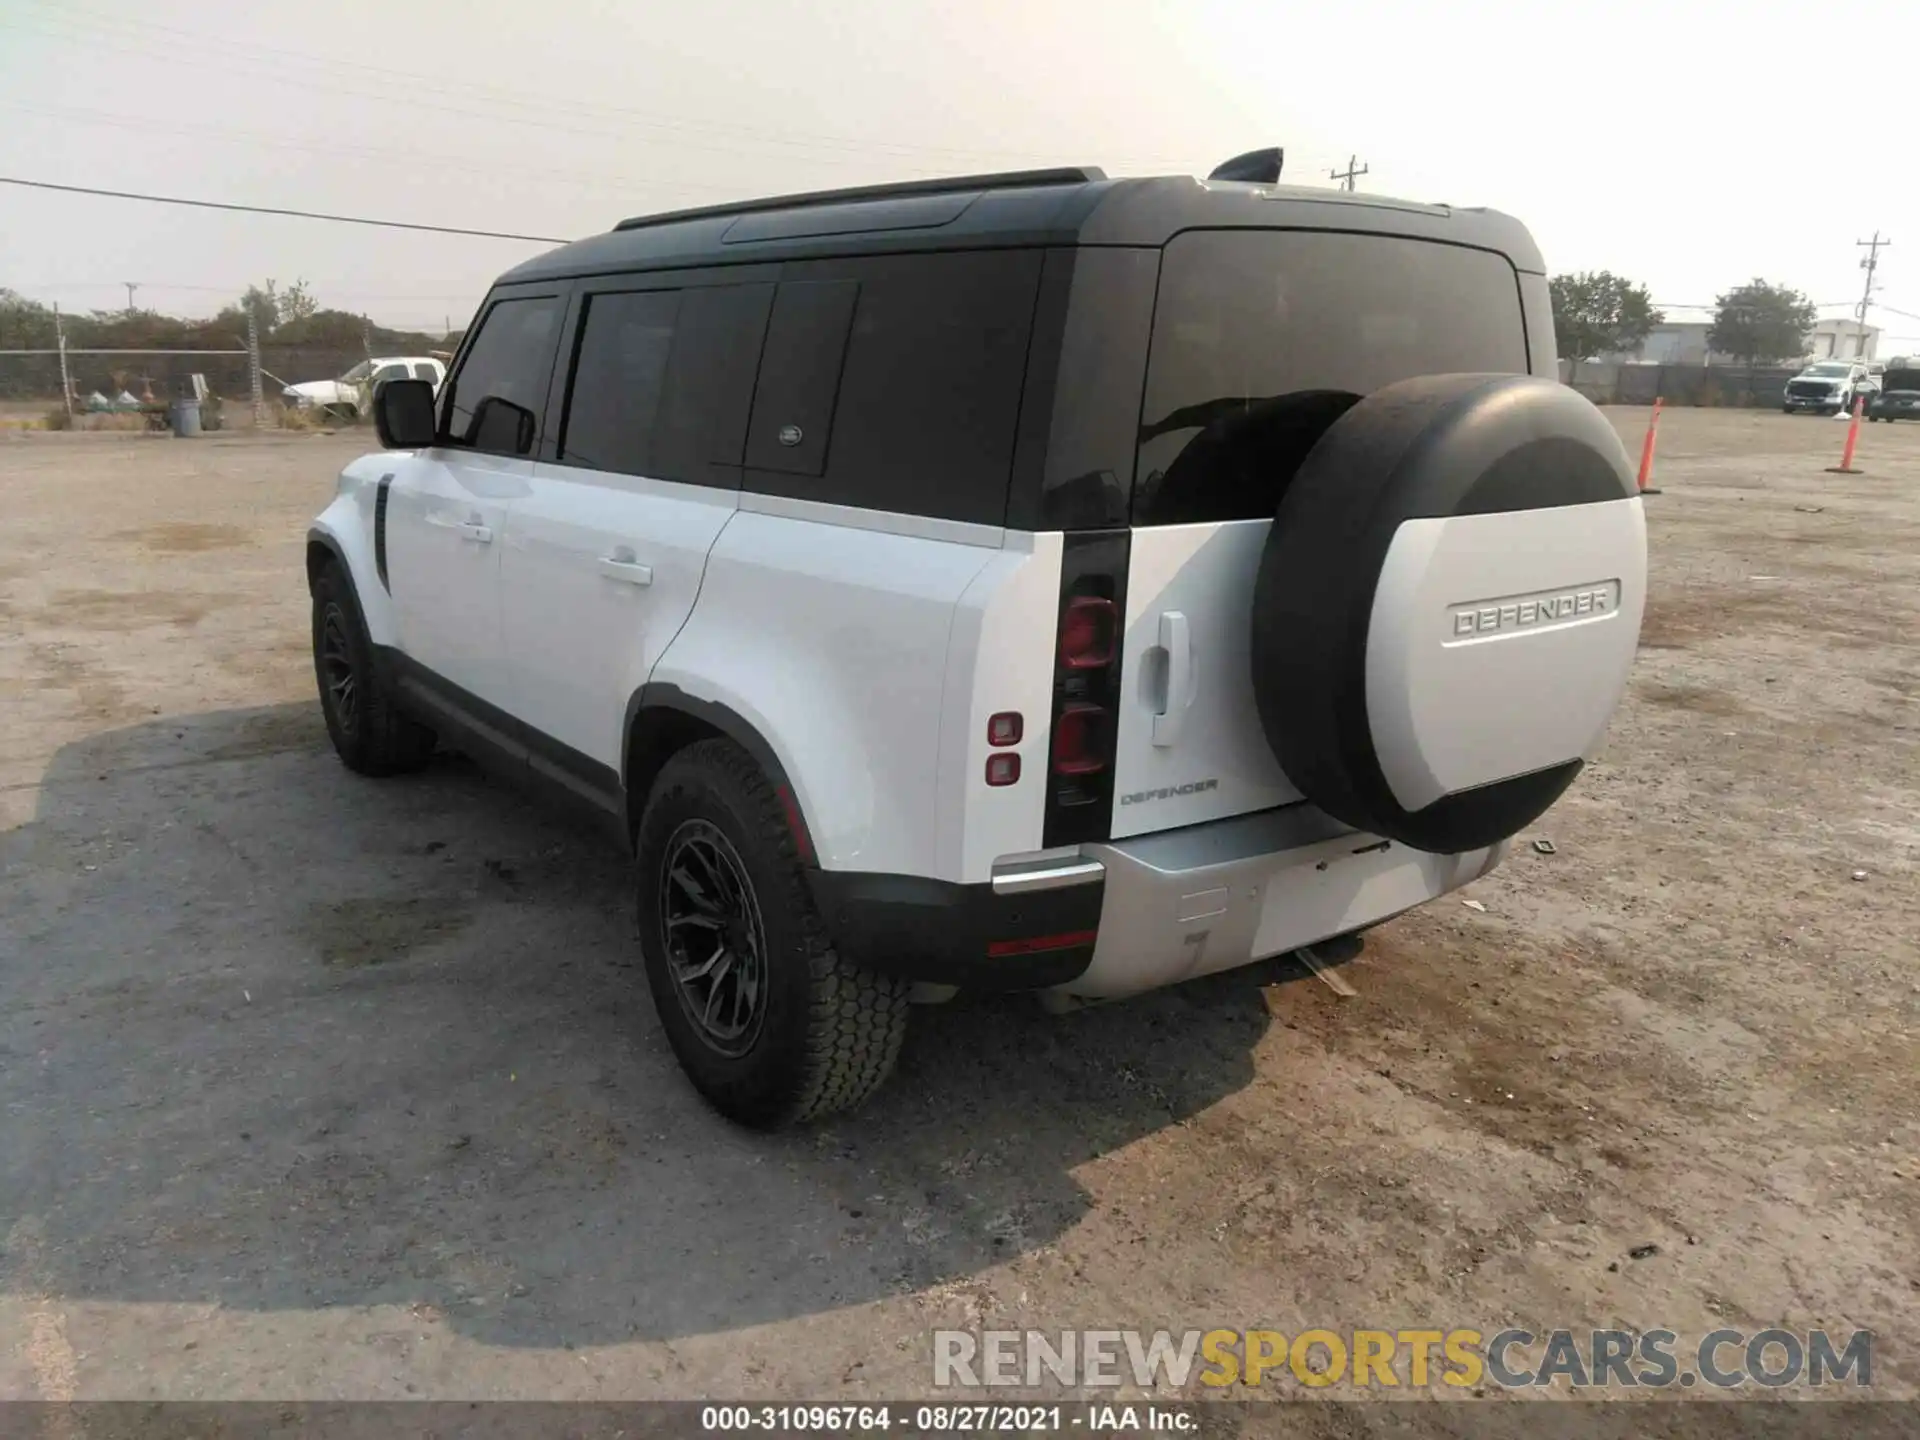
(403, 414)
(500, 427)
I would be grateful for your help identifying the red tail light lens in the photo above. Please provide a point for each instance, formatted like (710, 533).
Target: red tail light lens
(1005, 728)
(1003, 769)
(1080, 740)
(1087, 632)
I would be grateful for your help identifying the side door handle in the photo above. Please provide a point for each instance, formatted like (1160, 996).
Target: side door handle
(1177, 640)
(476, 532)
(623, 567)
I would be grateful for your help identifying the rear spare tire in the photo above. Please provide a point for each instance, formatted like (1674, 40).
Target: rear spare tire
(1448, 605)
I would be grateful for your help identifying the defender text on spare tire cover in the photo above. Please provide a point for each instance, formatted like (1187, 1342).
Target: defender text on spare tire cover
(1448, 606)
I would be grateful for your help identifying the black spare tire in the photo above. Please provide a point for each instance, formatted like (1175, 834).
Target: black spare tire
(1447, 607)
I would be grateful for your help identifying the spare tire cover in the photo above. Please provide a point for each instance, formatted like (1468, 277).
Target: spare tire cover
(1448, 606)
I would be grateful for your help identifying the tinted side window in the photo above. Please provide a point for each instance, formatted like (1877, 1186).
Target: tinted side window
(928, 389)
(1262, 338)
(619, 373)
(799, 378)
(426, 372)
(389, 372)
(662, 381)
(508, 364)
(703, 411)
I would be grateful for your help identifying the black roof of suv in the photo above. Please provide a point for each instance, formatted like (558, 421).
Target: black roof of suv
(1048, 207)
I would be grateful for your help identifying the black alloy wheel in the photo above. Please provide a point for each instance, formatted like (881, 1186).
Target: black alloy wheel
(714, 938)
(336, 668)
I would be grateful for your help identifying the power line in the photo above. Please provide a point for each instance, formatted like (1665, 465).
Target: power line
(598, 180)
(753, 140)
(271, 210)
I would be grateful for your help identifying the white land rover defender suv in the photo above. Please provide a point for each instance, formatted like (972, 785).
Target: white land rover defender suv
(1020, 582)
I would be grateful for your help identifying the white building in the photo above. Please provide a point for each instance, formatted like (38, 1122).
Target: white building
(1681, 339)
(1843, 340)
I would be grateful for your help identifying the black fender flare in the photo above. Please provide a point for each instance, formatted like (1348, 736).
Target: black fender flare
(319, 537)
(663, 698)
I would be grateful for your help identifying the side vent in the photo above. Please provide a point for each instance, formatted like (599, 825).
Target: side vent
(380, 531)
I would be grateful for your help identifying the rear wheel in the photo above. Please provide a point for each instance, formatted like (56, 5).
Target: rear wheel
(769, 1022)
(369, 733)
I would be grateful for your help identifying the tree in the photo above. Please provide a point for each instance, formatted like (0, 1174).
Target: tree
(272, 306)
(24, 324)
(296, 302)
(1598, 313)
(1759, 321)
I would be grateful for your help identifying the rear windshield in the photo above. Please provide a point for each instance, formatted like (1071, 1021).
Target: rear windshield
(1901, 380)
(1261, 338)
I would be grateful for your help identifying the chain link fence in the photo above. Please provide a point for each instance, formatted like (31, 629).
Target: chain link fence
(42, 386)
(1732, 386)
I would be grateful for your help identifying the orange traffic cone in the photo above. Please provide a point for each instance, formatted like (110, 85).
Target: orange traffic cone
(1646, 449)
(1845, 467)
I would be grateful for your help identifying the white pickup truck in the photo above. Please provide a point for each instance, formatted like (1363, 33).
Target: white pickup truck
(351, 395)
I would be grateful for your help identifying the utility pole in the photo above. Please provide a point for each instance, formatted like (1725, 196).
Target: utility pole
(131, 287)
(1870, 264)
(66, 380)
(1349, 175)
(253, 366)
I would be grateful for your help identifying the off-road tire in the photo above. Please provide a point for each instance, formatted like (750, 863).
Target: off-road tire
(831, 1031)
(371, 737)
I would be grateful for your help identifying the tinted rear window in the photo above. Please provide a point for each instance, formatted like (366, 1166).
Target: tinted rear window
(1261, 337)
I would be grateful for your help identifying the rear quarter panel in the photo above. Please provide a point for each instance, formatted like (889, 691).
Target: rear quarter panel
(831, 640)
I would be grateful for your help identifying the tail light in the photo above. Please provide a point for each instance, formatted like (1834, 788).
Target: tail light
(1086, 687)
(1080, 740)
(1087, 630)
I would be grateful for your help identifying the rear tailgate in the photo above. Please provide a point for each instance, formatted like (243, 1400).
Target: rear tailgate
(1252, 329)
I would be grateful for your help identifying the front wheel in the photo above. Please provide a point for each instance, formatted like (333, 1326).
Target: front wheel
(769, 1022)
(369, 734)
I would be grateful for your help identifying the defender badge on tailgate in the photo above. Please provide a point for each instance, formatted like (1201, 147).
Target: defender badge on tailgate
(1193, 787)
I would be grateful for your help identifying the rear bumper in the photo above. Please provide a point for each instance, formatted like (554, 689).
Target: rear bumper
(978, 937)
(1118, 919)
(1211, 897)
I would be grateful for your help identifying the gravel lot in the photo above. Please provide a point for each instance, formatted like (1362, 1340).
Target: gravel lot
(318, 1087)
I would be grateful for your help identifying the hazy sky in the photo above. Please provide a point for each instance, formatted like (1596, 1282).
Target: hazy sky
(1690, 144)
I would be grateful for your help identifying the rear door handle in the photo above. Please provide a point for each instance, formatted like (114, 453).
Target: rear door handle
(623, 567)
(476, 532)
(1176, 639)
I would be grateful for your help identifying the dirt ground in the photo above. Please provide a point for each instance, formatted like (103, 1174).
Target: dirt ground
(315, 1087)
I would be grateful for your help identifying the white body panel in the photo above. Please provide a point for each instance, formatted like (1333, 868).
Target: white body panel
(600, 571)
(445, 515)
(1204, 575)
(1499, 645)
(999, 658)
(828, 635)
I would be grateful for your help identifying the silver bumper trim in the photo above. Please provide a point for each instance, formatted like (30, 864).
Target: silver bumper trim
(1049, 875)
(1190, 902)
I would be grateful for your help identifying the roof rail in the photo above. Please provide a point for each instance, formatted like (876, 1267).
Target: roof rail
(1006, 180)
